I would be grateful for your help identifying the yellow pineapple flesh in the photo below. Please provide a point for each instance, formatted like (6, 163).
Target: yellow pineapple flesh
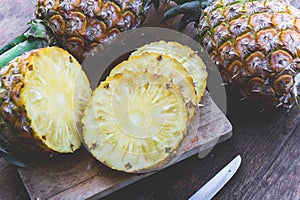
(162, 65)
(135, 121)
(185, 56)
(43, 95)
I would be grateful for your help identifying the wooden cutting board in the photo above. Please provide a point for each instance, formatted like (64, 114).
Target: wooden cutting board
(80, 176)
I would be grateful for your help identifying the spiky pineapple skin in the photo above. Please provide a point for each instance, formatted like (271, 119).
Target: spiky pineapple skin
(16, 132)
(256, 45)
(79, 25)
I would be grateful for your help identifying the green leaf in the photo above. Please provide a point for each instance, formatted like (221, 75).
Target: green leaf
(181, 1)
(37, 29)
(12, 43)
(189, 7)
(17, 50)
(35, 37)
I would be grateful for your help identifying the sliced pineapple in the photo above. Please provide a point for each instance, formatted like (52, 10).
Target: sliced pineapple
(134, 121)
(166, 66)
(184, 55)
(55, 94)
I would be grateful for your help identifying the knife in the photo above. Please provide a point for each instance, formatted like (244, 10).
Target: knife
(214, 185)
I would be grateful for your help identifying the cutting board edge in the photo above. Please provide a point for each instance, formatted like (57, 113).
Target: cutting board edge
(184, 156)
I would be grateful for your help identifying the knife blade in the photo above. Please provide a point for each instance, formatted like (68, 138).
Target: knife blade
(214, 185)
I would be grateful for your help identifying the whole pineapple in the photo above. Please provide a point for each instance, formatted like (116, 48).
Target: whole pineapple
(255, 44)
(79, 25)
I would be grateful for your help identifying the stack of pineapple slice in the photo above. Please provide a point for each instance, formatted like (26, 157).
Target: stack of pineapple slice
(137, 118)
(134, 121)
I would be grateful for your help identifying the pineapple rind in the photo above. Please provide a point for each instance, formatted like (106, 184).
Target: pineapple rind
(184, 55)
(134, 122)
(162, 65)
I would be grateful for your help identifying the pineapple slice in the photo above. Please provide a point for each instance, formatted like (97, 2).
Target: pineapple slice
(55, 94)
(184, 55)
(134, 121)
(49, 91)
(166, 66)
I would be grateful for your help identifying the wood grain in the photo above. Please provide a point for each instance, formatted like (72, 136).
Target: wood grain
(260, 139)
(11, 186)
(80, 176)
(14, 18)
(281, 180)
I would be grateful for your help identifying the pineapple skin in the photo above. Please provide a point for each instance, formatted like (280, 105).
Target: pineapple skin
(15, 130)
(256, 46)
(80, 25)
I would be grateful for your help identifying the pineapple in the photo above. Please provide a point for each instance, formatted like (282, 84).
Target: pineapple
(166, 66)
(256, 46)
(79, 25)
(42, 97)
(185, 56)
(135, 121)
(76, 25)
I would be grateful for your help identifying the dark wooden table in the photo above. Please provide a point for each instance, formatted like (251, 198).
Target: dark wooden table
(268, 142)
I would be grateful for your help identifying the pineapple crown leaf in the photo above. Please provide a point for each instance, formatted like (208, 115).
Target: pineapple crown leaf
(12, 43)
(35, 37)
(191, 9)
(186, 8)
(37, 29)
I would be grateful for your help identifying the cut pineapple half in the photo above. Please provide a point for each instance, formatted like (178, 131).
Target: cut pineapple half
(134, 121)
(166, 66)
(55, 93)
(184, 55)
